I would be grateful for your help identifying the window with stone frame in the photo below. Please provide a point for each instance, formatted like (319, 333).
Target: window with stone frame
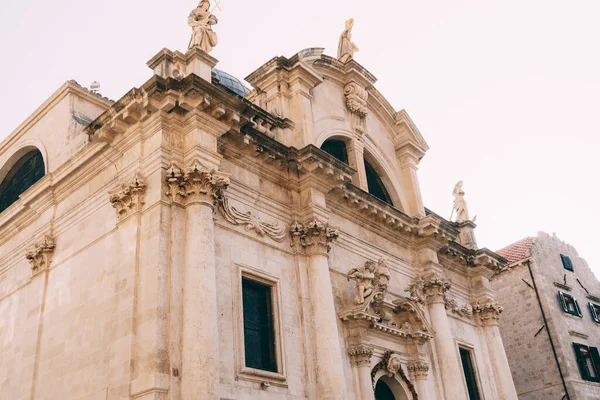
(595, 311)
(259, 331)
(466, 358)
(588, 361)
(569, 304)
(566, 262)
(27, 171)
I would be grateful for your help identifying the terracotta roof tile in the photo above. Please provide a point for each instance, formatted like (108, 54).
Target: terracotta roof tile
(518, 250)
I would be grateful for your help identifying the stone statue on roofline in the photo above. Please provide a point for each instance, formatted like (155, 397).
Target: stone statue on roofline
(346, 48)
(201, 21)
(460, 205)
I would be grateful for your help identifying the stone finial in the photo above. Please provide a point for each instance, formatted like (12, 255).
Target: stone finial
(418, 369)
(346, 47)
(128, 197)
(314, 234)
(360, 355)
(356, 99)
(40, 255)
(201, 21)
(196, 183)
(487, 313)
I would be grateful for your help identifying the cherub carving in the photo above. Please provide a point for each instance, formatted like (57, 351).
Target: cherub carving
(393, 364)
(365, 277)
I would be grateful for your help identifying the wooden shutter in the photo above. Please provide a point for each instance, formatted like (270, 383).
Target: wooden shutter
(581, 360)
(577, 307)
(596, 361)
(561, 298)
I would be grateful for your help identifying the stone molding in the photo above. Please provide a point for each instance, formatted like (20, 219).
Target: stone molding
(356, 99)
(247, 219)
(390, 364)
(489, 312)
(40, 256)
(314, 235)
(128, 198)
(196, 184)
(360, 355)
(418, 369)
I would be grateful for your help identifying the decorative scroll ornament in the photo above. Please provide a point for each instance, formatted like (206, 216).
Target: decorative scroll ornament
(490, 311)
(391, 364)
(251, 222)
(196, 184)
(129, 197)
(40, 255)
(313, 234)
(356, 99)
(418, 369)
(360, 355)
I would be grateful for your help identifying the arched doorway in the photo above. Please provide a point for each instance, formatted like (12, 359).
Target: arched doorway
(388, 388)
(383, 391)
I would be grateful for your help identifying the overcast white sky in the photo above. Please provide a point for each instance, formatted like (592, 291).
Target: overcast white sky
(506, 93)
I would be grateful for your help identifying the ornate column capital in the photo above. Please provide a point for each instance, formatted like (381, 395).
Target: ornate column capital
(128, 198)
(195, 184)
(314, 235)
(41, 254)
(360, 355)
(418, 369)
(429, 290)
(489, 313)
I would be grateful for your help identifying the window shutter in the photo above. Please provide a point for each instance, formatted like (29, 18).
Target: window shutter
(581, 361)
(577, 307)
(592, 311)
(561, 298)
(596, 361)
(566, 261)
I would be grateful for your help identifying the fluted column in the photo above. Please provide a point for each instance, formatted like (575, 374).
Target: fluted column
(447, 355)
(418, 372)
(314, 238)
(360, 359)
(488, 315)
(195, 188)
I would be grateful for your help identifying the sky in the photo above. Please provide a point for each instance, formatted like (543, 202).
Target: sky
(504, 92)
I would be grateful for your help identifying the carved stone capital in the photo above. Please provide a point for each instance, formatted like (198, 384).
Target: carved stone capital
(356, 99)
(435, 288)
(314, 235)
(360, 356)
(128, 198)
(418, 369)
(195, 184)
(40, 255)
(489, 313)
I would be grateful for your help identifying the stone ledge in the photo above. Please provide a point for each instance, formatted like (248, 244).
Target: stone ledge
(578, 334)
(562, 286)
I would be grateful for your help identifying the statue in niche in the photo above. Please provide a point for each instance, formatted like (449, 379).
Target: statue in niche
(393, 364)
(364, 277)
(201, 20)
(460, 205)
(346, 48)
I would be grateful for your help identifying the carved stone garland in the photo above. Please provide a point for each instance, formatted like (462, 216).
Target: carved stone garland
(41, 255)
(313, 234)
(128, 197)
(251, 222)
(391, 365)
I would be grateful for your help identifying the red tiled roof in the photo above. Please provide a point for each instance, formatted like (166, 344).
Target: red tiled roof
(517, 251)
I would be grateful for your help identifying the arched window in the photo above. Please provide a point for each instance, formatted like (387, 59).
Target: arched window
(376, 187)
(383, 391)
(27, 171)
(336, 148)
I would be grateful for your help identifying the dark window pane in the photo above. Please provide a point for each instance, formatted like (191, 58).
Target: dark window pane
(259, 335)
(566, 261)
(587, 358)
(467, 363)
(336, 148)
(27, 171)
(375, 184)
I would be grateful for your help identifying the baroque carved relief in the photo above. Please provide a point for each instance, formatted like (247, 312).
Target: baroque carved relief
(461, 310)
(356, 99)
(360, 355)
(429, 290)
(196, 183)
(247, 219)
(418, 369)
(313, 234)
(489, 312)
(391, 364)
(40, 255)
(372, 277)
(128, 198)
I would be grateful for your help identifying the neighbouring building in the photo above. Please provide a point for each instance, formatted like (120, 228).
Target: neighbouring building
(197, 239)
(551, 320)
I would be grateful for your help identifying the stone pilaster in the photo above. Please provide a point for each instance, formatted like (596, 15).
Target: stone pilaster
(194, 188)
(355, 149)
(447, 354)
(360, 359)
(314, 239)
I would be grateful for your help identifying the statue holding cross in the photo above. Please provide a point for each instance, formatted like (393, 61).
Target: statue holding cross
(201, 20)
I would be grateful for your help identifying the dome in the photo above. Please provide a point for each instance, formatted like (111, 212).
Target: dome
(230, 82)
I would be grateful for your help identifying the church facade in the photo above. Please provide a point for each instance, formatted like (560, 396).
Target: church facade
(199, 240)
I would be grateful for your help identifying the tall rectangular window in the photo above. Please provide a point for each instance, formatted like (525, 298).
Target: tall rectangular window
(259, 333)
(470, 376)
(569, 304)
(588, 361)
(566, 261)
